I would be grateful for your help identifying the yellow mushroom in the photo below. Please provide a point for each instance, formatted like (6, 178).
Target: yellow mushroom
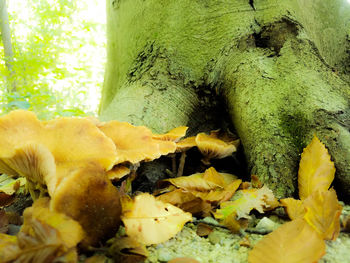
(213, 147)
(173, 135)
(88, 196)
(118, 172)
(69, 157)
(135, 143)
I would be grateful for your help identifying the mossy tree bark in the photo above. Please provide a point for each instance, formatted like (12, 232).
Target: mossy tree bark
(278, 68)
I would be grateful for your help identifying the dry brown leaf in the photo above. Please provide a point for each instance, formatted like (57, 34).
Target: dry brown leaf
(345, 224)
(245, 242)
(293, 242)
(203, 230)
(4, 222)
(176, 197)
(186, 201)
(316, 170)
(151, 221)
(127, 249)
(256, 183)
(322, 213)
(294, 208)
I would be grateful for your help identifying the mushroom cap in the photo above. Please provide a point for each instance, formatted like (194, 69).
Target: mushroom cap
(87, 195)
(78, 139)
(18, 128)
(29, 146)
(135, 143)
(185, 144)
(118, 172)
(173, 135)
(213, 147)
(34, 162)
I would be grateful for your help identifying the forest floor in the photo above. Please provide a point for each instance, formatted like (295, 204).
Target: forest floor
(221, 246)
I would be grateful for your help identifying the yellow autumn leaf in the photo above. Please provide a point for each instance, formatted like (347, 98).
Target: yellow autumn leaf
(294, 208)
(322, 213)
(70, 231)
(186, 201)
(43, 244)
(247, 200)
(151, 221)
(8, 248)
(293, 242)
(316, 170)
(9, 186)
(209, 180)
(221, 179)
(218, 195)
(193, 182)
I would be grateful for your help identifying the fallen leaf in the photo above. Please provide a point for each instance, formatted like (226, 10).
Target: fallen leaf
(44, 244)
(4, 222)
(219, 195)
(69, 230)
(193, 182)
(322, 213)
(256, 183)
(345, 224)
(177, 197)
(294, 208)
(221, 179)
(9, 185)
(127, 249)
(151, 221)
(245, 242)
(293, 242)
(316, 170)
(210, 186)
(246, 201)
(203, 230)
(8, 248)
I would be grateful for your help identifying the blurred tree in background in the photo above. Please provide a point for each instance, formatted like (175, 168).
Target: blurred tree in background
(58, 56)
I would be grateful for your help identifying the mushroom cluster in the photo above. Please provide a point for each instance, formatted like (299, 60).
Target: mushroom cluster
(216, 145)
(67, 158)
(73, 160)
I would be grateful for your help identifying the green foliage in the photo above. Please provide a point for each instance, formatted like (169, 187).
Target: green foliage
(55, 72)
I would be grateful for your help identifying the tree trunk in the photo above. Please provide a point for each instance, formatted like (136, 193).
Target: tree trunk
(6, 40)
(278, 68)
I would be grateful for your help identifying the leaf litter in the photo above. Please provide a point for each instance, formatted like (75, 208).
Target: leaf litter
(232, 217)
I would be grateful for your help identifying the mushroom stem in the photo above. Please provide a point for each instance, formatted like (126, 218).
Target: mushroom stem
(131, 178)
(181, 164)
(206, 161)
(173, 164)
